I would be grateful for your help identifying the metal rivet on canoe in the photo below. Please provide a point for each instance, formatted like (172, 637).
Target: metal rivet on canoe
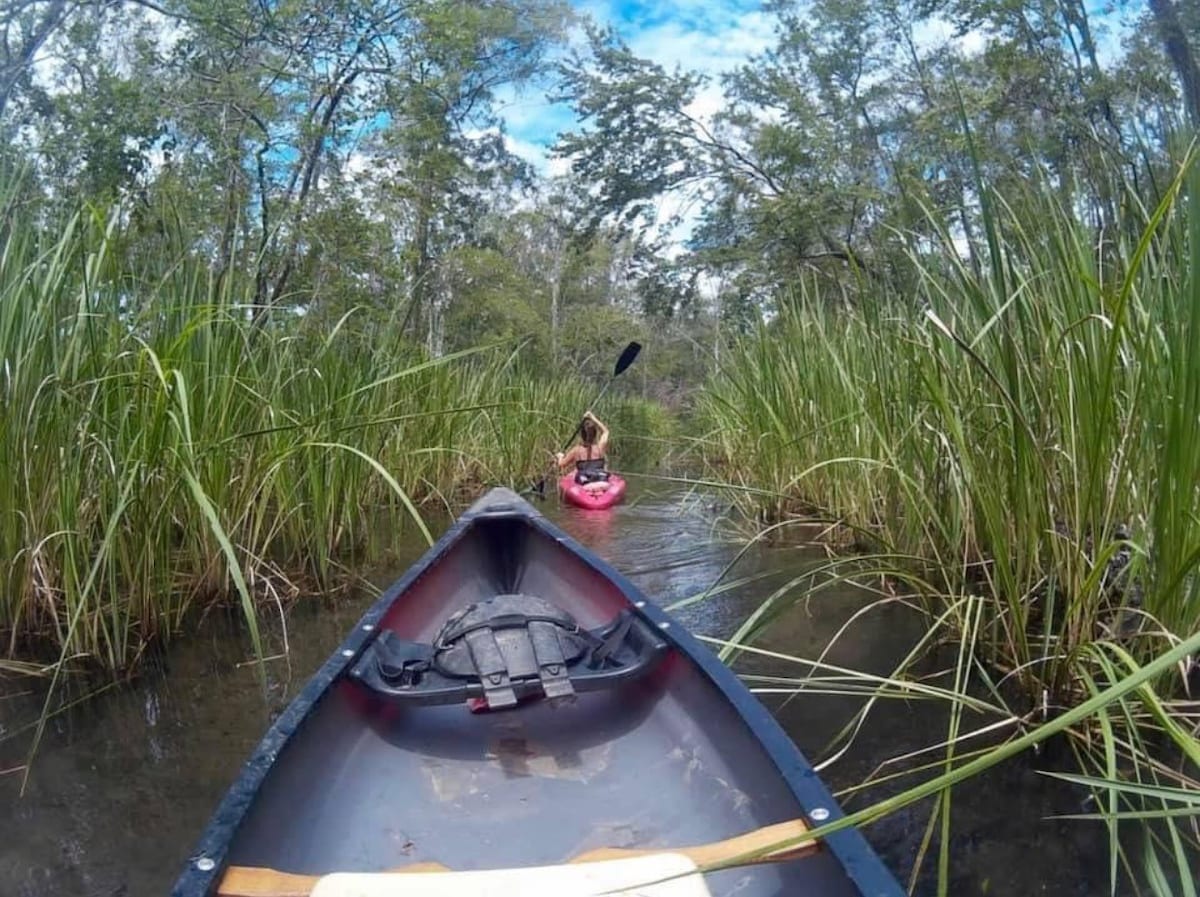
(347, 653)
(367, 627)
(206, 864)
(665, 624)
(639, 604)
(820, 814)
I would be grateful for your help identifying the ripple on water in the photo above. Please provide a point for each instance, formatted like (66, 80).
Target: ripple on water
(124, 783)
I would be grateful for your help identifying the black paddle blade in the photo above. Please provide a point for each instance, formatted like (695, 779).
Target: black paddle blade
(627, 357)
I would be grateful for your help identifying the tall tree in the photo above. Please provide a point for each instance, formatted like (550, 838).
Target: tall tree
(1180, 51)
(28, 25)
(443, 145)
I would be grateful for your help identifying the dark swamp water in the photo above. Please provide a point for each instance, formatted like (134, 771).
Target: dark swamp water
(123, 783)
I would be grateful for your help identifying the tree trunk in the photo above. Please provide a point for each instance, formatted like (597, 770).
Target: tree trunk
(718, 310)
(436, 337)
(1179, 51)
(270, 296)
(15, 64)
(421, 260)
(232, 214)
(555, 296)
(952, 167)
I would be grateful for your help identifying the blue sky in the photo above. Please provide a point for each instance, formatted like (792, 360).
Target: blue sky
(710, 36)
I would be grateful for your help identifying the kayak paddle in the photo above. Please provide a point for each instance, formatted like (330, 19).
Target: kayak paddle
(626, 359)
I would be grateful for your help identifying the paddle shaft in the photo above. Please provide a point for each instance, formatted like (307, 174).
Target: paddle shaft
(625, 360)
(250, 881)
(595, 402)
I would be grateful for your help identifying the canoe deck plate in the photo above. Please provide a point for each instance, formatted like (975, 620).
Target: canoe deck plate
(506, 649)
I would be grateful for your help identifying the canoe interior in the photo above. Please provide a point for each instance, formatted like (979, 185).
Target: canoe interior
(664, 761)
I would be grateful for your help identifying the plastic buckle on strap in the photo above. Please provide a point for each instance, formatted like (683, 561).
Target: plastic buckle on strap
(611, 642)
(400, 664)
(404, 674)
(552, 666)
(493, 670)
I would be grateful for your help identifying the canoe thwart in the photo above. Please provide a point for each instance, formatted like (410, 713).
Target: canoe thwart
(506, 649)
(790, 836)
(770, 844)
(657, 875)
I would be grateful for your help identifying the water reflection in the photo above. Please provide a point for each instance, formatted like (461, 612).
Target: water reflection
(593, 528)
(123, 784)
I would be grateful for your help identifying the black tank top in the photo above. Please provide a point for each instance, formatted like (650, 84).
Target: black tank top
(589, 463)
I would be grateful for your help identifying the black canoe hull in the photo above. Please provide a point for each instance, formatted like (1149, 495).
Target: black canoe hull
(345, 780)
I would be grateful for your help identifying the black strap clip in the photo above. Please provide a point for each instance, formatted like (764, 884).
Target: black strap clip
(552, 665)
(492, 668)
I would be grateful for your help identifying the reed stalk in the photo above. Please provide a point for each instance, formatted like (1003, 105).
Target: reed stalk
(1017, 441)
(163, 452)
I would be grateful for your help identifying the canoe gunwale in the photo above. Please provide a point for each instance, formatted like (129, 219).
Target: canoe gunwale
(206, 863)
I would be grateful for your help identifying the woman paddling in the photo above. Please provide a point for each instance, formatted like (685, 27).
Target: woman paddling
(588, 455)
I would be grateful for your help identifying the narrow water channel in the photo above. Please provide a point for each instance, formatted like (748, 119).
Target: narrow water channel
(123, 783)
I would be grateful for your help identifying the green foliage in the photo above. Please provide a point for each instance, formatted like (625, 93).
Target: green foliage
(279, 133)
(832, 143)
(593, 334)
(639, 140)
(1018, 451)
(490, 300)
(164, 453)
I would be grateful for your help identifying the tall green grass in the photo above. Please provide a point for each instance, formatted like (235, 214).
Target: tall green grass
(160, 452)
(1009, 438)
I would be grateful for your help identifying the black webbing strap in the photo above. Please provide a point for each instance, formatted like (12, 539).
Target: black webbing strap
(537, 651)
(607, 645)
(401, 663)
(493, 670)
(502, 621)
(552, 666)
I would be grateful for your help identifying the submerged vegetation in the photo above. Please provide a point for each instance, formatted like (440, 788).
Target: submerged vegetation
(1016, 443)
(162, 450)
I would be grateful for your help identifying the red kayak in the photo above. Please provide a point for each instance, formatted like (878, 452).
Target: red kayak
(576, 495)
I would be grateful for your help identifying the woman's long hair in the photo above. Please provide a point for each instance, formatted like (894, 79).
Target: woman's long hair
(588, 432)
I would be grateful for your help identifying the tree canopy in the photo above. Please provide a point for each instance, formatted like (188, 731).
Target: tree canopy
(353, 153)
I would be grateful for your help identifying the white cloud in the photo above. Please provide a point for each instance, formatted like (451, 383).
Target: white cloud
(936, 31)
(709, 100)
(1111, 33)
(686, 208)
(707, 36)
(357, 164)
(715, 44)
(51, 69)
(531, 115)
(533, 153)
(559, 167)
